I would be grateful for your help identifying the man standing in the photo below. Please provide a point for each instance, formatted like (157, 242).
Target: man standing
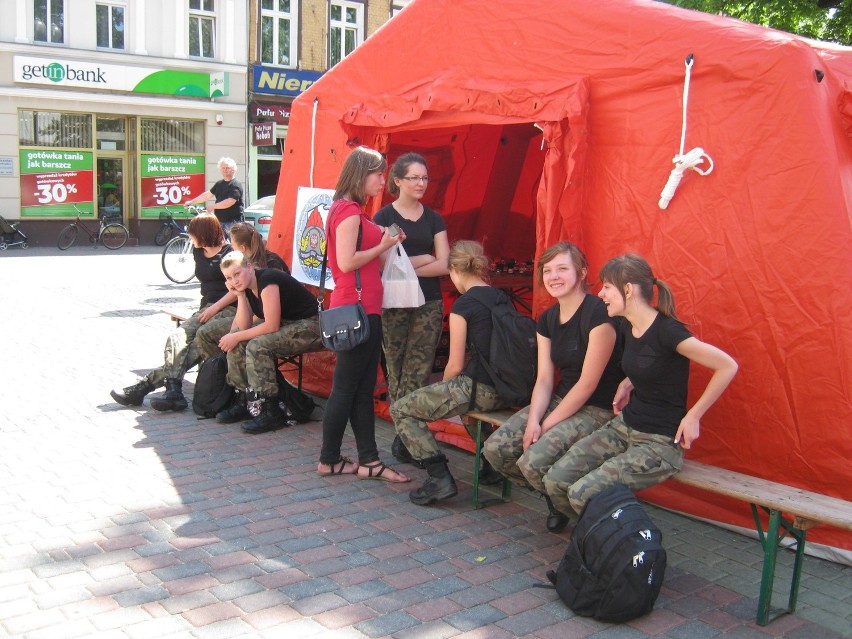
(228, 193)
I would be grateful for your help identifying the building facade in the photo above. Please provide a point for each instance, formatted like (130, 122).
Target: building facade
(120, 107)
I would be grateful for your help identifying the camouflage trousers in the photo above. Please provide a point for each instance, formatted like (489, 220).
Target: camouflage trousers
(209, 334)
(613, 454)
(437, 401)
(181, 352)
(505, 448)
(409, 339)
(252, 364)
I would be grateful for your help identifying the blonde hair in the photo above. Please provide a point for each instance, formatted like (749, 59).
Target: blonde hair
(234, 258)
(469, 257)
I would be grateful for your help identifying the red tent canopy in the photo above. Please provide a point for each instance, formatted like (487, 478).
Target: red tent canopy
(553, 119)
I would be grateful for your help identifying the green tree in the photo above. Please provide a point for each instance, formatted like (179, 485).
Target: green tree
(821, 19)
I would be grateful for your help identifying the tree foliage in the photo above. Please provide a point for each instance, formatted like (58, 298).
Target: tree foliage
(821, 19)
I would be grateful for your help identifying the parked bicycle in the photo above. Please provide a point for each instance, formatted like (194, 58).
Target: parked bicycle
(169, 226)
(110, 232)
(177, 261)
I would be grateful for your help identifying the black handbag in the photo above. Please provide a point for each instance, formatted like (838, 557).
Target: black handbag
(344, 327)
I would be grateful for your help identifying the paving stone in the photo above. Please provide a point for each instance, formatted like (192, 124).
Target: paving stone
(140, 596)
(396, 600)
(388, 624)
(364, 591)
(693, 630)
(309, 588)
(475, 617)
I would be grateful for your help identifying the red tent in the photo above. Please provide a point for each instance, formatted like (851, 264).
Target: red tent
(558, 119)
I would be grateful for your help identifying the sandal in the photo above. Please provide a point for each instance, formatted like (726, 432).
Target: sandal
(339, 468)
(376, 469)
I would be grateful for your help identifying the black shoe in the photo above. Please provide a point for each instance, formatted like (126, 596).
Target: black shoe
(133, 395)
(556, 521)
(236, 412)
(172, 399)
(270, 417)
(440, 484)
(488, 475)
(401, 454)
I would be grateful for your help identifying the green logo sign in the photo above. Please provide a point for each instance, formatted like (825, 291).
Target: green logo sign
(55, 72)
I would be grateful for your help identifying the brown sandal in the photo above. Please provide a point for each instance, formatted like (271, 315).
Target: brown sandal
(339, 468)
(376, 469)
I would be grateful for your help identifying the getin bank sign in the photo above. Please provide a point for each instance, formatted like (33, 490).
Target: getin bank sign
(114, 77)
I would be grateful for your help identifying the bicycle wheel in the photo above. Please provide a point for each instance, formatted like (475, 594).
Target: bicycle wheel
(164, 234)
(178, 263)
(67, 237)
(114, 236)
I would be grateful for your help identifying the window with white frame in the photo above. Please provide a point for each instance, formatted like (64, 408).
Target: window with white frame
(49, 21)
(109, 25)
(202, 28)
(397, 6)
(345, 29)
(278, 38)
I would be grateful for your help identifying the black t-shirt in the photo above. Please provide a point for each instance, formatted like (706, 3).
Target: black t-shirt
(273, 260)
(419, 240)
(660, 376)
(569, 343)
(209, 273)
(296, 301)
(475, 307)
(222, 191)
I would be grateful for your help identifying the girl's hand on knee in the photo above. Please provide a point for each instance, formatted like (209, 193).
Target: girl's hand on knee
(531, 434)
(228, 342)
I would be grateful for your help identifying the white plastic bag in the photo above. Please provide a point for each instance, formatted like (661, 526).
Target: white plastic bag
(401, 287)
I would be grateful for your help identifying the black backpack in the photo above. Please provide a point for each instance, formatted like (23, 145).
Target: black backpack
(512, 361)
(212, 392)
(614, 565)
(297, 405)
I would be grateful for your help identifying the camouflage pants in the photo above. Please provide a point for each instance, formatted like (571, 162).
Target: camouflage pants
(208, 336)
(181, 352)
(409, 339)
(437, 401)
(505, 448)
(252, 364)
(614, 454)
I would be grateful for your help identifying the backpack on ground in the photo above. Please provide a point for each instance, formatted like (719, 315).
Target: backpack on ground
(212, 392)
(513, 358)
(614, 565)
(297, 405)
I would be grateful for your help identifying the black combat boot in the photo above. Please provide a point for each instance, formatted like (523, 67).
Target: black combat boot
(488, 475)
(556, 521)
(269, 416)
(440, 484)
(236, 412)
(133, 395)
(172, 399)
(401, 453)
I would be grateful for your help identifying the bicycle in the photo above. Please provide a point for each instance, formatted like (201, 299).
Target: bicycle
(168, 224)
(113, 235)
(177, 261)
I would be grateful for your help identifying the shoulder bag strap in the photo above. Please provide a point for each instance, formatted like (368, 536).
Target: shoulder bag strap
(321, 293)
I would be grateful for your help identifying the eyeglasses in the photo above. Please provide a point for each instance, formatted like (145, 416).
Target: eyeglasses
(416, 178)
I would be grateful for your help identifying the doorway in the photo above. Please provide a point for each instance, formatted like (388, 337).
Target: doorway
(111, 145)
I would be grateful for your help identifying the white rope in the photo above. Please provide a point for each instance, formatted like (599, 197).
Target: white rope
(684, 161)
(313, 139)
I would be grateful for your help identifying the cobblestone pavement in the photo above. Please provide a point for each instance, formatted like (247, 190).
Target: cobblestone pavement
(117, 522)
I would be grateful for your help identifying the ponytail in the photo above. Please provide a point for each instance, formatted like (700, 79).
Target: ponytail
(633, 269)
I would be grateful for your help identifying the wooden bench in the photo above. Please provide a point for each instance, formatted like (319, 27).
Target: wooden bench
(491, 420)
(804, 510)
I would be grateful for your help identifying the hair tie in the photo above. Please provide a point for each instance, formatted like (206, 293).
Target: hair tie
(655, 281)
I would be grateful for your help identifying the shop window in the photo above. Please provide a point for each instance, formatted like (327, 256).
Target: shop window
(110, 134)
(278, 37)
(53, 129)
(173, 136)
(345, 29)
(109, 25)
(202, 28)
(49, 21)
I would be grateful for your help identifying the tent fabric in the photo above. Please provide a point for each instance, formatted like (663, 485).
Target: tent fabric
(548, 120)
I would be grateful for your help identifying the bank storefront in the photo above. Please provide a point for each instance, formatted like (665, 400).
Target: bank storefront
(98, 138)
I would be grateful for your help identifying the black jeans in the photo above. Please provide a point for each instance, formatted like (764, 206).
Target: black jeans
(351, 399)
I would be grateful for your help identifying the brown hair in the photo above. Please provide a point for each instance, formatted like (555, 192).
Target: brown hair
(577, 257)
(400, 168)
(206, 230)
(633, 269)
(247, 236)
(360, 163)
(469, 257)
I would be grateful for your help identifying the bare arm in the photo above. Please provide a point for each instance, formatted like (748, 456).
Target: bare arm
(724, 368)
(207, 195)
(348, 259)
(434, 265)
(458, 337)
(226, 300)
(542, 392)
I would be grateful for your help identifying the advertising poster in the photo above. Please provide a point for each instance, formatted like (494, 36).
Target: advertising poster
(312, 207)
(52, 182)
(170, 180)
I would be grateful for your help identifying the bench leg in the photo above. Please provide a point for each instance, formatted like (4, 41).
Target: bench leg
(505, 495)
(770, 542)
